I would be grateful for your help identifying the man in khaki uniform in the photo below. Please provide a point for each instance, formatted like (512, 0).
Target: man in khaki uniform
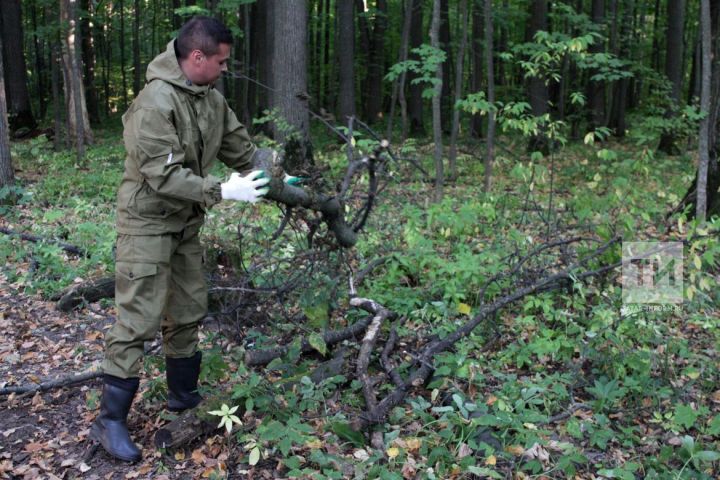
(173, 132)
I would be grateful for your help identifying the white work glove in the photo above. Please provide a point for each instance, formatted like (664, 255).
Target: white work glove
(247, 188)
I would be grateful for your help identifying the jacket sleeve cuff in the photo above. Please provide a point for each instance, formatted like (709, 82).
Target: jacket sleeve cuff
(211, 191)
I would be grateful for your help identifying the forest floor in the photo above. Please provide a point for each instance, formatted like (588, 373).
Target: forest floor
(563, 384)
(45, 434)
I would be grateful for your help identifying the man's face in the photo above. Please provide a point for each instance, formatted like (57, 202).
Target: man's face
(210, 67)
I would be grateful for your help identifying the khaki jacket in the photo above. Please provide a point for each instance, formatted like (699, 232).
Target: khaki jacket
(173, 133)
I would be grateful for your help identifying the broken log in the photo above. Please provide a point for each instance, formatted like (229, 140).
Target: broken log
(89, 292)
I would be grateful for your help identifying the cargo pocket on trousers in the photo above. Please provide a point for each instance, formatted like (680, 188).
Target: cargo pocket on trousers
(134, 282)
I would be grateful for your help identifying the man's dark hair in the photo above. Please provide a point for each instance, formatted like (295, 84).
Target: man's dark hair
(204, 34)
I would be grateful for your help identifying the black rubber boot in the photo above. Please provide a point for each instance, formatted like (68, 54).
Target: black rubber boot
(110, 427)
(182, 378)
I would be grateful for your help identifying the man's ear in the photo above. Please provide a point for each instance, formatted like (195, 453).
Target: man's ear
(197, 56)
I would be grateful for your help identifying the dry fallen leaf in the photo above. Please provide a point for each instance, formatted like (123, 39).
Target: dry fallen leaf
(464, 450)
(515, 449)
(361, 454)
(33, 447)
(537, 451)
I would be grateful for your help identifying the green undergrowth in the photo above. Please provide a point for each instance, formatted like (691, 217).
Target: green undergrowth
(560, 384)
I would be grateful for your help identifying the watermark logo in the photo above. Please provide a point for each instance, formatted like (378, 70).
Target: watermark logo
(652, 272)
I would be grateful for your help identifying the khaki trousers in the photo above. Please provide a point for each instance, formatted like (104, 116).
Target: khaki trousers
(159, 284)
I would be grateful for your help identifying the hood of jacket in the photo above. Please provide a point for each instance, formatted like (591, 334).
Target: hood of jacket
(166, 67)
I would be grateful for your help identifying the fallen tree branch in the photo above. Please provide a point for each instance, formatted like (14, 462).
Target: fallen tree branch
(368, 343)
(421, 374)
(51, 384)
(263, 357)
(35, 239)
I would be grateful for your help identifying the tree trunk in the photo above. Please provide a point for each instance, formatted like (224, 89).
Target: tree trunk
(458, 88)
(242, 59)
(176, 20)
(437, 128)
(7, 174)
(363, 52)
(446, 107)
(137, 69)
(695, 82)
(41, 71)
(596, 88)
(123, 73)
(490, 142)
(399, 83)
(88, 55)
(619, 102)
(289, 64)
(376, 65)
(704, 136)
(476, 52)
(55, 82)
(674, 69)
(415, 103)
(77, 115)
(16, 84)
(346, 60)
(655, 62)
(537, 89)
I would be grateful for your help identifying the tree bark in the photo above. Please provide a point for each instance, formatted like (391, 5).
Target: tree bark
(490, 142)
(7, 174)
(446, 107)
(376, 65)
(704, 136)
(596, 88)
(55, 82)
(459, 67)
(415, 103)
(674, 69)
(537, 89)
(88, 57)
(437, 128)
(398, 93)
(620, 91)
(476, 53)
(137, 69)
(79, 124)
(289, 66)
(123, 73)
(16, 83)
(346, 49)
(41, 71)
